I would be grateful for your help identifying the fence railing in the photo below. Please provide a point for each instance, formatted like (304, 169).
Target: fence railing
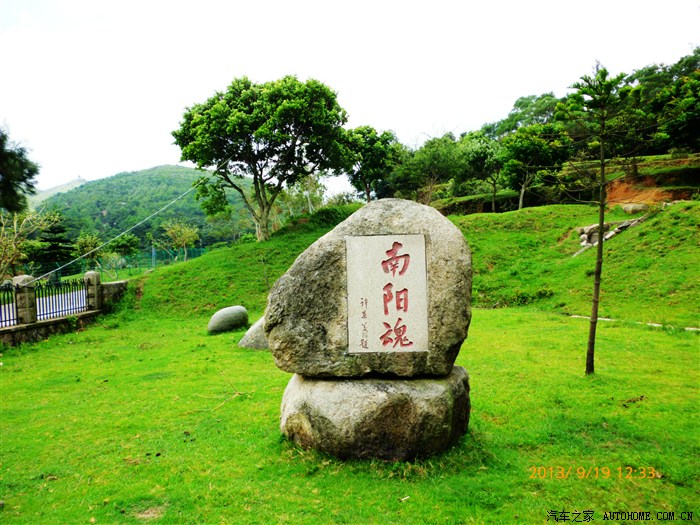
(8, 308)
(113, 266)
(26, 301)
(60, 298)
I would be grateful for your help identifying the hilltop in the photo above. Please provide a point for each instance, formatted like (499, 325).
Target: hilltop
(41, 195)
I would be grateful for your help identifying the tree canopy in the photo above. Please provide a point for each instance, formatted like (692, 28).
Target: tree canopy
(273, 133)
(17, 174)
(371, 154)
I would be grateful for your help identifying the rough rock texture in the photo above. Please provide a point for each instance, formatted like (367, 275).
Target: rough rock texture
(306, 316)
(395, 419)
(635, 207)
(255, 336)
(228, 319)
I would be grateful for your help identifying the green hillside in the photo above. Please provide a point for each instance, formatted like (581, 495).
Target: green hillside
(520, 258)
(649, 273)
(111, 205)
(40, 196)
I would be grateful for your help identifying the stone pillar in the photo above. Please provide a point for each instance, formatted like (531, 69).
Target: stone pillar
(25, 299)
(93, 289)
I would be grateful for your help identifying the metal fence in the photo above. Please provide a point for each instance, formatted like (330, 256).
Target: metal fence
(8, 309)
(60, 298)
(113, 266)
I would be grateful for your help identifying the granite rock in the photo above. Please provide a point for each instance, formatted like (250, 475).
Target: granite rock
(392, 419)
(255, 338)
(307, 313)
(228, 319)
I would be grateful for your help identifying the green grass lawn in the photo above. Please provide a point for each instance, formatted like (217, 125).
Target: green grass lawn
(144, 418)
(147, 418)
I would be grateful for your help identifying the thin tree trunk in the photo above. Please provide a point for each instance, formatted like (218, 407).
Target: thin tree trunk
(521, 201)
(590, 354)
(493, 199)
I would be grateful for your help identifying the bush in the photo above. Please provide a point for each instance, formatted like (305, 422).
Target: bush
(246, 238)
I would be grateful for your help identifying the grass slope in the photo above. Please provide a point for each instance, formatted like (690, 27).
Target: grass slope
(145, 418)
(649, 272)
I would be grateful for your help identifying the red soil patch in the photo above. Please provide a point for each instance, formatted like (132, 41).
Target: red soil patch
(642, 190)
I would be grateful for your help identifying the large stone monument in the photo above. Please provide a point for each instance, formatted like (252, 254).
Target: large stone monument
(370, 319)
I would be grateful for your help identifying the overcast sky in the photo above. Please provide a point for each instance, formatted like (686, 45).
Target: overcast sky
(93, 88)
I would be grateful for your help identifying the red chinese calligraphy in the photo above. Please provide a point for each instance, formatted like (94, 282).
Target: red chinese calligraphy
(394, 261)
(401, 298)
(395, 334)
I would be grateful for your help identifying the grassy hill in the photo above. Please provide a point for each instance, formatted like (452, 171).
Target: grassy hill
(649, 275)
(520, 258)
(111, 205)
(143, 417)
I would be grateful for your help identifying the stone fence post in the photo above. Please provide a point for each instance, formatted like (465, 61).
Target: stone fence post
(25, 299)
(93, 298)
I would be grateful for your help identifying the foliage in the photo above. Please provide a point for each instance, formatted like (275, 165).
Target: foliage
(680, 114)
(88, 246)
(115, 204)
(15, 232)
(305, 196)
(181, 235)
(532, 153)
(437, 161)
(482, 162)
(17, 174)
(526, 111)
(371, 155)
(126, 244)
(48, 248)
(275, 133)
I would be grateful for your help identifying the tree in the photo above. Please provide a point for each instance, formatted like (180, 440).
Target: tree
(397, 182)
(669, 96)
(303, 197)
(17, 174)
(87, 246)
(526, 112)
(482, 161)
(530, 153)
(274, 133)
(53, 248)
(679, 105)
(597, 107)
(437, 160)
(181, 235)
(15, 231)
(124, 245)
(370, 157)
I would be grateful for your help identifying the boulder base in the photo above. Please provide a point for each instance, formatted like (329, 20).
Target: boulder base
(255, 336)
(228, 319)
(393, 419)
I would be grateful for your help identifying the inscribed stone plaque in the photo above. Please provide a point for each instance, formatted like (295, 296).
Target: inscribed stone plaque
(387, 294)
